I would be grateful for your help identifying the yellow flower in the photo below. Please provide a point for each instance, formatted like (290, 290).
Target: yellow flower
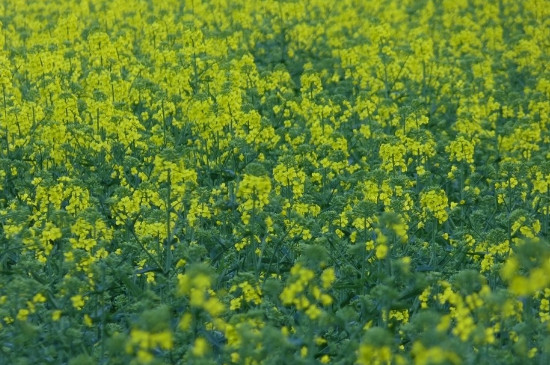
(185, 322)
(254, 191)
(87, 320)
(39, 298)
(328, 277)
(433, 355)
(56, 315)
(144, 356)
(392, 156)
(435, 202)
(381, 251)
(22, 314)
(369, 354)
(200, 348)
(78, 301)
(214, 307)
(162, 339)
(313, 312)
(461, 150)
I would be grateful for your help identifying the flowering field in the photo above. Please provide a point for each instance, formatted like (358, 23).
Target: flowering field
(278, 182)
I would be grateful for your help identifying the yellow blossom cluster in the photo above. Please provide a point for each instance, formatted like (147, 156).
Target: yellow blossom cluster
(296, 293)
(435, 203)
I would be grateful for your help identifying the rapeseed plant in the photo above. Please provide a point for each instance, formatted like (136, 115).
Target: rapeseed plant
(274, 182)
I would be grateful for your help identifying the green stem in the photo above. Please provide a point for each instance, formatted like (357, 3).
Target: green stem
(168, 247)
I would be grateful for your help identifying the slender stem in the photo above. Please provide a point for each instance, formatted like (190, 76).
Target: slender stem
(168, 247)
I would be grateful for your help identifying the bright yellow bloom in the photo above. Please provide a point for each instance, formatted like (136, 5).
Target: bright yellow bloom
(78, 301)
(201, 347)
(56, 315)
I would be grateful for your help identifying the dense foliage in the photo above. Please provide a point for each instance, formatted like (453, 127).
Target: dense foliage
(279, 182)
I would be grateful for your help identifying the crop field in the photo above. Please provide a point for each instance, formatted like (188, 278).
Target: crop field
(274, 182)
